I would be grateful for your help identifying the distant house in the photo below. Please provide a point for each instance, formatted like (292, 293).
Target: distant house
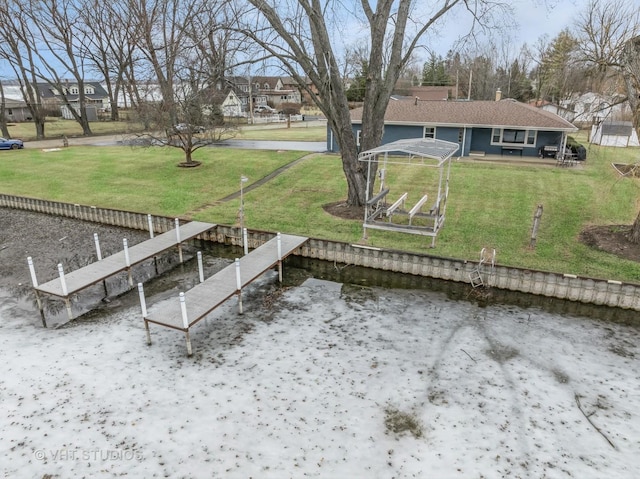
(229, 103)
(592, 108)
(16, 111)
(559, 110)
(434, 93)
(264, 91)
(96, 98)
(614, 133)
(504, 127)
(289, 83)
(274, 92)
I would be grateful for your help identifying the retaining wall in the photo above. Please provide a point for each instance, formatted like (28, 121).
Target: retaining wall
(563, 286)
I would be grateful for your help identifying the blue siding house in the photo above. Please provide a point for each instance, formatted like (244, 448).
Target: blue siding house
(504, 127)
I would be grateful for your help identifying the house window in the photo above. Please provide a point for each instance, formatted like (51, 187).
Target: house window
(74, 90)
(10, 111)
(358, 137)
(512, 136)
(266, 86)
(429, 132)
(89, 90)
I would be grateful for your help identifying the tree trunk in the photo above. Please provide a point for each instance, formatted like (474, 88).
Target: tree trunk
(635, 231)
(631, 75)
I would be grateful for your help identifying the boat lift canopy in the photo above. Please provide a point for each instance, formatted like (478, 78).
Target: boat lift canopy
(394, 217)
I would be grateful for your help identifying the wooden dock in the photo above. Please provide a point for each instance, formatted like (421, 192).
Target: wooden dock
(189, 308)
(70, 283)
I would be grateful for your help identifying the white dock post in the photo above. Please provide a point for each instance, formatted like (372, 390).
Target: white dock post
(32, 270)
(65, 291)
(185, 322)
(200, 269)
(34, 281)
(99, 256)
(279, 241)
(97, 242)
(178, 239)
(151, 233)
(244, 241)
(143, 307)
(239, 286)
(127, 260)
(150, 222)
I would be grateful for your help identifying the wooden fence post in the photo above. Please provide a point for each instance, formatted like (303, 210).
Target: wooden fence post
(536, 224)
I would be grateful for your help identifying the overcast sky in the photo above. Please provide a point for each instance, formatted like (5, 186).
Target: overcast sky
(533, 18)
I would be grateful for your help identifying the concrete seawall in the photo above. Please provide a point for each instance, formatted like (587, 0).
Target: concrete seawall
(563, 286)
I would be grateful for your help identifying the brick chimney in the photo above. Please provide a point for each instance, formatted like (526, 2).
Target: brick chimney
(498, 95)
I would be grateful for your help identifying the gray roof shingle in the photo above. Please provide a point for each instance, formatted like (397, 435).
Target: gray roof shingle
(490, 114)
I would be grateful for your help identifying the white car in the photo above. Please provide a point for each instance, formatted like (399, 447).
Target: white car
(264, 109)
(185, 127)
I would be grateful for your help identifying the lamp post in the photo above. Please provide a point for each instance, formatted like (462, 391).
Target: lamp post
(243, 179)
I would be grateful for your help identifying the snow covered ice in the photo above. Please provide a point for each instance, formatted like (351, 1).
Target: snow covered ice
(320, 380)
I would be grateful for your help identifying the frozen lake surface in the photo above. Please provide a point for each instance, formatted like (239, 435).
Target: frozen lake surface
(321, 380)
(318, 379)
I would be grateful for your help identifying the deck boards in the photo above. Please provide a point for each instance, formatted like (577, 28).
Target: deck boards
(95, 272)
(208, 295)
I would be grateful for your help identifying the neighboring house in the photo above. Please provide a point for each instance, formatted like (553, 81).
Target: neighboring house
(614, 133)
(591, 108)
(96, 98)
(504, 127)
(289, 83)
(434, 93)
(559, 110)
(230, 104)
(264, 91)
(273, 90)
(16, 110)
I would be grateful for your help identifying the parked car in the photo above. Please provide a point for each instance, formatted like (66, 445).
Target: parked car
(6, 144)
(185, 127)
(265, 109)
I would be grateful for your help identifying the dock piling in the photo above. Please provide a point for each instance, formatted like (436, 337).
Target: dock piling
(65, 291)
(185, 322)
(200, 268)
(150, 222)
(179, 242)
(239, 286)
(34, 281)
(279, 240)
(143, 307)
(127, 260)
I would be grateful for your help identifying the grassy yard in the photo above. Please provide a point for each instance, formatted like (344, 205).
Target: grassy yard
(490, 205)
(57, 127)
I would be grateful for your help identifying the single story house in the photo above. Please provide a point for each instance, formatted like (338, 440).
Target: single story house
(614, 133)
(504, 127)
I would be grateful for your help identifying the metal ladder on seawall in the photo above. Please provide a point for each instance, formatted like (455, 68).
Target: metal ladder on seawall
(476, 275)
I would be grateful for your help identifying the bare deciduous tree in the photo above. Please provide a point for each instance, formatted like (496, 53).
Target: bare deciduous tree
(298, 33)
(608, 37)
(18, 50)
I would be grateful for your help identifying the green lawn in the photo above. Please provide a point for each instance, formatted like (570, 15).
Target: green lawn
(490, 205)
(57, 127)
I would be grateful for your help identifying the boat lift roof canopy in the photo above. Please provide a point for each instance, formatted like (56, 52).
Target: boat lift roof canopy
(409, 150)
(378, 214)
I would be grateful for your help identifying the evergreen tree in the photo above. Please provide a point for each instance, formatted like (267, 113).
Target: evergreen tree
(434, 72)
